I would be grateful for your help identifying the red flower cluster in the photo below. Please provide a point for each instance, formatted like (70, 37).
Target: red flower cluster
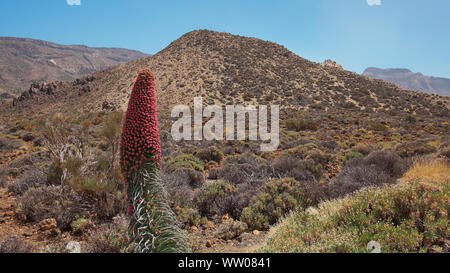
(140, 141)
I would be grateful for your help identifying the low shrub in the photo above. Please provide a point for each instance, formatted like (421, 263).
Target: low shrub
(351, 155)
(363, 149)
(8, 145)
(185, 161)
(377, 169)
(14, 244)
(188, 217)
(54, 174)
(230, 229)
(109, 238)
(301, 170)
(107, 205)
(57, 202)
(241, 168)
(276, 200)
(209, 196)
(234, 204)
(377, 126)
(211, 153)
(81, 226)
(30, 179)
(415, 148)
(387, 162)
(301, 125)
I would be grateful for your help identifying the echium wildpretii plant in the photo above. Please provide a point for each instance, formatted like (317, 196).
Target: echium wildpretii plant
(153, 225)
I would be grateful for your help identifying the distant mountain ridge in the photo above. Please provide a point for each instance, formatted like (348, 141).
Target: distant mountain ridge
(24, 61)
(407, 79)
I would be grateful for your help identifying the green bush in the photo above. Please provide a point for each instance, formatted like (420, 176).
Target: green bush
(351, 155)
(188, 216)
(81, 225)
(210, 154)
(377, 126)
(277, 199)
(185, 161)
(231, 229)
(208, 198)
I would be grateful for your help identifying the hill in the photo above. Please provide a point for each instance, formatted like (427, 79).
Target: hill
(225, 68)
(24, 61)
(406, 79)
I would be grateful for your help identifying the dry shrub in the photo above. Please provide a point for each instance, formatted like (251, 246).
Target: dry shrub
(388, 162)
(230, 229)
(378, 169)
(211, 153)
(178, 187)
(301, 170)
(3, 171)
(234, 204)
(109, 238)
(363, 149)
(30, 179)
(301, 125)
(8, 145)
(241, 168)
(57, 202)
(415, 148)
(429, 171)
(14, 244)
(107, 205)
(209, 197)
(275, 201)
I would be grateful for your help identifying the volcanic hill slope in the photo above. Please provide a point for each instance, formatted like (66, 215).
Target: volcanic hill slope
(24, 61)
(225, 69)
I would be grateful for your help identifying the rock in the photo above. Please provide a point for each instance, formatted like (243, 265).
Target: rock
(73, 247)
(47, 224)
(331, 63)
(255, 232)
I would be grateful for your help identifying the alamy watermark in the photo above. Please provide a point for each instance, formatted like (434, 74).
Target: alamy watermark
(213, 129)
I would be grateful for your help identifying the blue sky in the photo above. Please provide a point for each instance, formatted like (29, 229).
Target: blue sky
(412, 34)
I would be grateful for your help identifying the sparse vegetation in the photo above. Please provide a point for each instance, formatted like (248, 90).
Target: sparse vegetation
(345, 143)
(277, 199)
(408, 217)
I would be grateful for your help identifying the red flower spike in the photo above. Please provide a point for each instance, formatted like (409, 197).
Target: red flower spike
(140, 136)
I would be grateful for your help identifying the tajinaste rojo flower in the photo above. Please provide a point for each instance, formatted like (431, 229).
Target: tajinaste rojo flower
(153, 225)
